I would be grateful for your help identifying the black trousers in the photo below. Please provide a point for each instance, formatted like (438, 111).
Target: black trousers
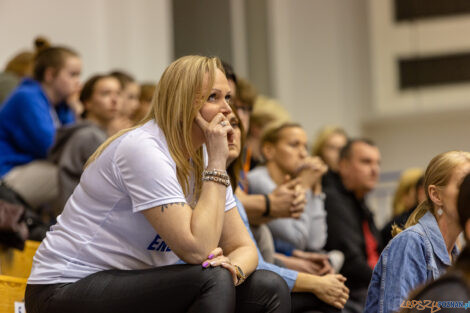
(305, 302)
(175, 288)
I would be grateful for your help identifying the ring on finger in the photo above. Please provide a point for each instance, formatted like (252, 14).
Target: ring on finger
(223, 123)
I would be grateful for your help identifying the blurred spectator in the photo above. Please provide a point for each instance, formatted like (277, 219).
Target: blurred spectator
(76, 143)
(145, 99)
(20, 66)
(409, 193)
(327, 145)
(28, 123)
(351, 227)
(308, 292)
(128, 104)
(265, 111)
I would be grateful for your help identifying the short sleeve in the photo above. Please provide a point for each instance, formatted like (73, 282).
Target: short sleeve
(229, 199)
(147, 173)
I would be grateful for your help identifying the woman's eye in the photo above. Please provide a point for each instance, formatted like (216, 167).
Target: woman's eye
(228, 98)
(235, 124)
(212, 97)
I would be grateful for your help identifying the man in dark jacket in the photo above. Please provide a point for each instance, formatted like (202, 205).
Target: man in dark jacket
(351, 227)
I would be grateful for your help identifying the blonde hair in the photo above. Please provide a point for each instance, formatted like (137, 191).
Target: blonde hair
(408, 180)
(438, 173)
(322, 137)
(178, 97)
(266, 111)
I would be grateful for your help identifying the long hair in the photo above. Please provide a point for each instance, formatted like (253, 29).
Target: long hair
(408, 180)
(234, 169)
(322, 137)
(438, 173)
(178, 97)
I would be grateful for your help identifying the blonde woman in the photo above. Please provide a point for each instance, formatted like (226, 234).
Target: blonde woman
(409, 193)
(145, 201)
(426, 248)
(327, 145)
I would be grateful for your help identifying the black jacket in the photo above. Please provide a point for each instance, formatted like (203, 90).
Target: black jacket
(345, 215)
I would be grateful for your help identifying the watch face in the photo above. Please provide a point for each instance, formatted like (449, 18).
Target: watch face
(240, 271)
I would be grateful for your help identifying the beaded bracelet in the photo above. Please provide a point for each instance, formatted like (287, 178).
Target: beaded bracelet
(225, 182)
(216, 173)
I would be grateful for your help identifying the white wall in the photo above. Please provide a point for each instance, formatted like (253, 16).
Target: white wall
(320, 61)
(133, 35)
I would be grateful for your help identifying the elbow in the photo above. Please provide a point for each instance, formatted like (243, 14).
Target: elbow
(193, 254)
(193, 258)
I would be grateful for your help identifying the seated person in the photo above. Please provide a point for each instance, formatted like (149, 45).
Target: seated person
(454, 286)
(280, 200)
(426, 248)
(145, 201)
(76, 143)
(28, 123)
(308, 292)
(129, 102)
(284, 148)
(409, 193)
(145, 99)
(351, 227)
(327, 145)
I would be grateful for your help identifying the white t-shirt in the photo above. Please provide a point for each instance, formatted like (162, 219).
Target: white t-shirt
(102, 226)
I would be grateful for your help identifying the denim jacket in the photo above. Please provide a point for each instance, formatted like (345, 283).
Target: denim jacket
(416, 255)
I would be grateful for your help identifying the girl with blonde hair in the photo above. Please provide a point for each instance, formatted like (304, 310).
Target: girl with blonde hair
(327, 145)
(152, 196)
(426, 247)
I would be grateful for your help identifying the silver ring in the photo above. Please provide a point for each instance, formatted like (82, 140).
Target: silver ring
(223, 123)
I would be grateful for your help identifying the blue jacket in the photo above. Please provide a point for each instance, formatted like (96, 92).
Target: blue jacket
(288, 275)
(414, 256)
(28, 123)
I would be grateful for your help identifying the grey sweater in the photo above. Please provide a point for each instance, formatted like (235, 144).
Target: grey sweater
(306, 233)
(72, 148)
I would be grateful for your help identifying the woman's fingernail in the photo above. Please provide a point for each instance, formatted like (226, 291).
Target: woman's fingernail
(205, 264)
(210, 256)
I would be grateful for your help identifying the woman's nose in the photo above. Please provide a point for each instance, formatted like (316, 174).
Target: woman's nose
(226, 109)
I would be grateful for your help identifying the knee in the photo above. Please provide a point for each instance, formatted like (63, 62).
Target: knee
(271, 283)
(218, 277)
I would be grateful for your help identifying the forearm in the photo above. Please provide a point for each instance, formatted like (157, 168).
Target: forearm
(246, 257)
(207, 220)
(255, 207)
(306, 283)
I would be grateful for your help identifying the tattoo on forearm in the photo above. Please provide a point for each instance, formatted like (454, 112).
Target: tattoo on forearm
(167, 205)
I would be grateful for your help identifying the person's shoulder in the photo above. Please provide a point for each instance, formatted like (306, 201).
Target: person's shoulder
(144, 141)
(408, 241)
(90, 131)
(334, 197)
(88, 136)
(451, 286)
(28, 93)
(258, 172)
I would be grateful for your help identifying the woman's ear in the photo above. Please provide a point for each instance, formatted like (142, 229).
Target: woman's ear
(49, 74)
(267, 150)
(435, 195)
